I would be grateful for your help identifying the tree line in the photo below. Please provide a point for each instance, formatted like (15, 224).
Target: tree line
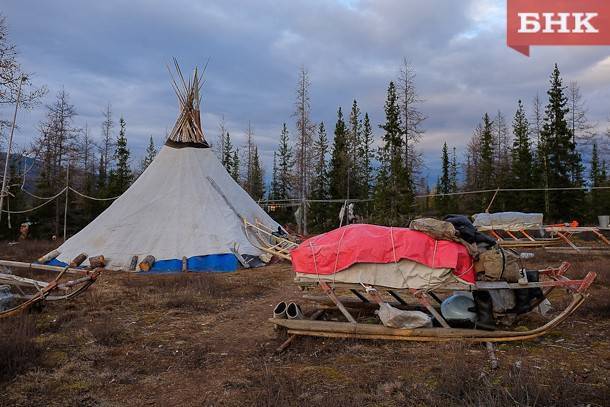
(540, 152)
(543, 153)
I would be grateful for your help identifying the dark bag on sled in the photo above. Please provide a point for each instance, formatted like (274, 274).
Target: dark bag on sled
(499, 264)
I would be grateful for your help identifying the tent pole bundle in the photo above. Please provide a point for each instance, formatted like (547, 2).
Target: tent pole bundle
(188, 126)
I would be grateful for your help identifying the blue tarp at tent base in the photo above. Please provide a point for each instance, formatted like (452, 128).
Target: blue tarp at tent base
(211, 263)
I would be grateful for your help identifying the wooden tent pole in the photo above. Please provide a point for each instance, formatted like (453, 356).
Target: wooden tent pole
(66, 203)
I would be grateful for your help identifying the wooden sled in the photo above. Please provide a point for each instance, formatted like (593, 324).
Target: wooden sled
(34, 291)
(369, 299)
(263, 238)
(520, 238)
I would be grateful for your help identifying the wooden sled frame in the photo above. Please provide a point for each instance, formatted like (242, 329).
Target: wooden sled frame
(68, 290)
(559, 235)
(262, 237)
(353, 329)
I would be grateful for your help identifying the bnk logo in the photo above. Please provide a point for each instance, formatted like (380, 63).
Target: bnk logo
(557, 22)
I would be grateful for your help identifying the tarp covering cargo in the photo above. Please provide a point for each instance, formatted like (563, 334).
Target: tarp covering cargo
(512, 221)
(404, 274)
(341, 248)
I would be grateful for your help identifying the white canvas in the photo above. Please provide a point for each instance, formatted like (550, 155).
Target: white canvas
(172, 210)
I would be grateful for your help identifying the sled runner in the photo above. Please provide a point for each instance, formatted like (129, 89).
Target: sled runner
(23, 293)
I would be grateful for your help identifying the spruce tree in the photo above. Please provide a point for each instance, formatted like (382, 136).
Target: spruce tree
(354, 140)
(454, 172)
(284, 165)
(522, 161)
(149, 156)
(227, 153)
(563, 163)
(366, 156)
(273, 192)
(393, 192)
(120, 176)
(258, 187)
(339, 161)
(485, 169)
(444, 183)
(486, 162)
(235, 170)
(320, 184)
(597, 177)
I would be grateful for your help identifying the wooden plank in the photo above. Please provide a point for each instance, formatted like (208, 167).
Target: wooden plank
(331, 294)
(48, 257)
(568, 241)
(317, 314)
(360, 296)
(133, 263)
(36, 266)
(397, 297)
(423, 299)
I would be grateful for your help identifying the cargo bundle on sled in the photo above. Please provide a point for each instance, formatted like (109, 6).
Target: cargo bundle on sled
(438, 283)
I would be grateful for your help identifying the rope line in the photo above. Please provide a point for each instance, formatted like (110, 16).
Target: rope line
(36, 207)
(482, 191)
(92, 197)
(43, 198)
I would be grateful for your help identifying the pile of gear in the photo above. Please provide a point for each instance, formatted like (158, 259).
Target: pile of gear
(483, 308)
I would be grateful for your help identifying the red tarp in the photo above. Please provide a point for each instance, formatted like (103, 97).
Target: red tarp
(338, 249)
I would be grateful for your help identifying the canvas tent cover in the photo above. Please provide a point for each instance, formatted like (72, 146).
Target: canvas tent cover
(338, 250)
(184, 204)
(512, 221)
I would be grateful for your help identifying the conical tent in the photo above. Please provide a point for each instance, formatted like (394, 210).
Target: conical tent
(185, 204)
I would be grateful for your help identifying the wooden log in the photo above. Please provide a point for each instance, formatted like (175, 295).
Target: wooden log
(133, 263)
(48, 257)
(147, 263)
(97, 261)
(185, 265)
(78, 260)
(491, 351)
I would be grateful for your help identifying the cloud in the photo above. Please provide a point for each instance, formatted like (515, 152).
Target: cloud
(116, 51)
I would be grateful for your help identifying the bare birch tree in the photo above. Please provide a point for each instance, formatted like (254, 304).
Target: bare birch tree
(305, 129)
(582, 129)
(106, 147)
(411, 115)
(219, 148)
(57, 148)
(11, 74)
(249, 159)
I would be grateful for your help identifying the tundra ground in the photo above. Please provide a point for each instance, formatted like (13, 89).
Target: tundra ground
(204, 339)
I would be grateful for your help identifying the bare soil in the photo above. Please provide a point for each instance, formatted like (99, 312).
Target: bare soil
(204, 339)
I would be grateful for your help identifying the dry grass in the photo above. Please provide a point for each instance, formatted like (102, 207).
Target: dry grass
(28, 250)
(19, 350)
(203, 339)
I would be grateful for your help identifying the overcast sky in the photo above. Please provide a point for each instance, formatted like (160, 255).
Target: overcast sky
(116, 52)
